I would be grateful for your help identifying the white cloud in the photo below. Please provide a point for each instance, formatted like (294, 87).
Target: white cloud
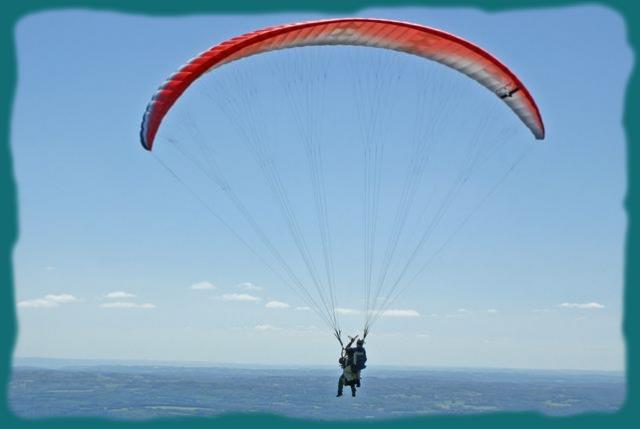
(276, 304)
(248, 286)
(146, 305)
(586, 305)
(63, 298)
(265, 327)
(303, 308)
(400, 313)
(49, 268)
(240, 297)
(48, 301)
(492, 311)
(202, 286)
(37, 303)
(305, 328)
(126, 304)
(458, 314)
(119, 295)
(347, 311)
(118, 304)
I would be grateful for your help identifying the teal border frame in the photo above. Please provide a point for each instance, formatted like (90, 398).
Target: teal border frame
(13, 10)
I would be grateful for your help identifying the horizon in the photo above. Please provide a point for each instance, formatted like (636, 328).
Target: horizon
(132, 363)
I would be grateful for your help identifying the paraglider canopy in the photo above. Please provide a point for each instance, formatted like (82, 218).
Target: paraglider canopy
(416, 39)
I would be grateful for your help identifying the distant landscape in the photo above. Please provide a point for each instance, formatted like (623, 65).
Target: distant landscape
(46, 388)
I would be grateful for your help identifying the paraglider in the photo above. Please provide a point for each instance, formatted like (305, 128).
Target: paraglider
(404, 37)
(352, 361)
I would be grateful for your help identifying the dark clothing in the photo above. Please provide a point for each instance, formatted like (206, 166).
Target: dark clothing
(342, 381)
(348, 378)
(352, 363)
(356, 357)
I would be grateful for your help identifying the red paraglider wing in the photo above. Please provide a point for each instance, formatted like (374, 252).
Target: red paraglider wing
(425, 42)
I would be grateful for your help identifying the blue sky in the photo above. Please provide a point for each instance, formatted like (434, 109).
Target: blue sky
(110, 245)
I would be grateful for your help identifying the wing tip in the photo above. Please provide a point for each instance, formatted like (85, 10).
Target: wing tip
(146, 144)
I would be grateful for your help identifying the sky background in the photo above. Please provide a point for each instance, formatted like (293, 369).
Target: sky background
(110, 246)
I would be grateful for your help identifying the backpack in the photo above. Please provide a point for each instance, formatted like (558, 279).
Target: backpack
(359, 360)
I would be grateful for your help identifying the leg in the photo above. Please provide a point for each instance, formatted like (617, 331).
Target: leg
(353, 389)
(340, 385)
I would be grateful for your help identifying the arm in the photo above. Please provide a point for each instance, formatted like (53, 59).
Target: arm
(351, 341)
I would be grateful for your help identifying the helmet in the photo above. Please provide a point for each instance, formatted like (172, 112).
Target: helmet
(360, 342)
